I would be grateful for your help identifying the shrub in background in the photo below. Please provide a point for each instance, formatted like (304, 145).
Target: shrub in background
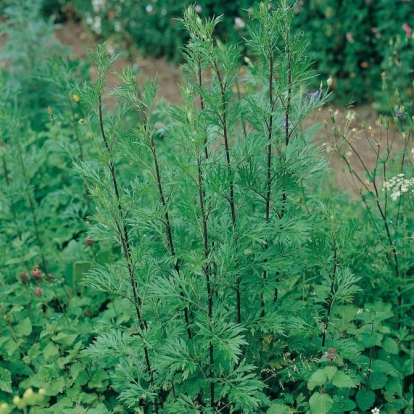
(342, 44)
(350, 41)
(154, 27)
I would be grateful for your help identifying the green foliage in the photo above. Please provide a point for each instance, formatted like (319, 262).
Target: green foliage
(355, 42)
(215, 276)
(29, 41)
(155, 27)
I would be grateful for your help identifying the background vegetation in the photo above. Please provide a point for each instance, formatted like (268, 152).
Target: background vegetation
(196, 258)
(352, 41)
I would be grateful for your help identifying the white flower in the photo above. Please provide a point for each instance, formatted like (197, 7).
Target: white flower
(149, 8)
(239, 23)
(96, 25)
(398, 186)
(198, 8)
(375, 411)
(98, 5)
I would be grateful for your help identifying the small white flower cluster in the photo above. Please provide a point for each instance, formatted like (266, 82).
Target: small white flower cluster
(95, 23)
(375, 411)
(239, 23)
(98, 5)
(398, 186)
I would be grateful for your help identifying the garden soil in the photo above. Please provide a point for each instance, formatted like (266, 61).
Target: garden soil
(364, 141)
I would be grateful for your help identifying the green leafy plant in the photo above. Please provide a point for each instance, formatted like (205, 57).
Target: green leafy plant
(219, 237)
(209, 269)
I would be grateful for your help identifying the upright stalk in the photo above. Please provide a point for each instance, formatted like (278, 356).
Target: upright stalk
(200, 84)
(287, 106)
(222, 116)
(268, 164)
(167, 225)
(332, 292)
(207, 273)
(123, 233)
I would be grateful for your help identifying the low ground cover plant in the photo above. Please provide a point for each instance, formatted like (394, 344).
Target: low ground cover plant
(191, 259)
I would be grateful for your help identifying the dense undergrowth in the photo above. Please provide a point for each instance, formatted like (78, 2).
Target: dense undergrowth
(195, 258)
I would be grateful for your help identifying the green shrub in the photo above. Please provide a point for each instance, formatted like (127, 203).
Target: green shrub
(350, 41)
(154, 27)
(216, 275)
(240, 294)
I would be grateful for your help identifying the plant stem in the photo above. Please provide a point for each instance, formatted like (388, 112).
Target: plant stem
(200, 84)
(332, 292)
(207, 273)
(223, 120)
(268, 166)
(125, 242)
(168, 226)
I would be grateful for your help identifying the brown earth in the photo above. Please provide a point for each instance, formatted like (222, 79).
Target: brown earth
(365, 141)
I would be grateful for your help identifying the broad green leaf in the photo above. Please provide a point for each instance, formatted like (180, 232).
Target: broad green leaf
(23, 328)
(25, 258)
(342, 405)
(56, 386)
(343, 380)
(10, 347)
(394, 386)
(78, 410)
(100, 409)
(61, 404)
(320, 403)
(399, 404)
(389, 345)
(3, 339)
(65, 338)
(408, 367)
(317, 379)
(50, 350)
(377, 380)
(15, 309)
(378, 365)
(278, 408)
(365, 399)
(99, 380)
(330, 371)
(88, 398)
(5, 380)
(369, 340)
